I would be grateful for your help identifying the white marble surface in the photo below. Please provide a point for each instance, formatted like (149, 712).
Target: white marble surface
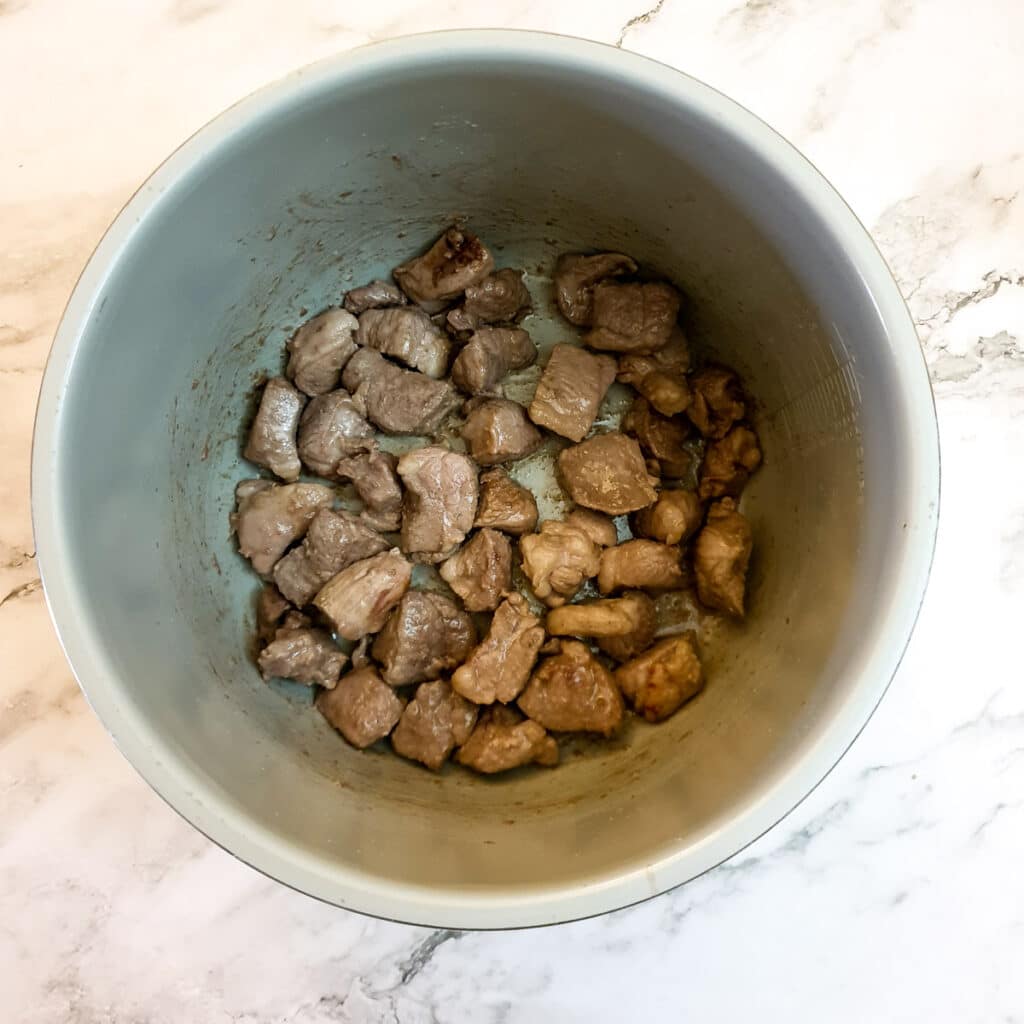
(894, 893)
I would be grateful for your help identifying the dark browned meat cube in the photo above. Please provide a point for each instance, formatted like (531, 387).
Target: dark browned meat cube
(505, 505)
(440, 499)
(661, 680)
(480, 572)
(570, 391)
(374, 475)
(375, 295)
(720, 558)
(575, 277)
(330, 429)
(633, 317)
(640, 565)
(272, 437)
(361, 707)
(728, 463)
(434, 723)
(629, 645)
(503, 739)
(489, 355)
(607, 473)
(660, 377)
(718, 401)
(453, 263)
(408, 335)
(660, 437)
(319, 350)
(558, 560)
(500, 297)
(306, 655)
(672, 519)
(358, 599)
(498, 430)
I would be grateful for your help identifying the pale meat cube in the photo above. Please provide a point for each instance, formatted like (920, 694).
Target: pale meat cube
(358, 599)
(660, 377)
(505, 505)
(498, 430)
(374, 475)
(489, 356)
(570, 391)
(672, 519)
(633, 317)
(500, 297)
(306, 655)
(361, 707)
(452, 264)
(662, 679)
(728, 463)
(640, 565)
(440, 499)
(332, 428)
(600, 529)
(718, 401)
(720, 558)
(375, 295)
(503, 739)
(269, 518)
(480, 572)
(499, 667)
(558, 560)
(427, 634)
(334, 541)
(319, 350)
(610, 617)
(660, 437)
(272, 437)
(573, 692)
(408, 335)
(645, 619)
(608, 474)
(433, 724)
(575, 277)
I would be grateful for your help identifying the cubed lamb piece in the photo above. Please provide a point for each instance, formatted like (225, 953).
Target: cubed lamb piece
(728, 463)
(452, 264)
(375, 295)
(272, 437)
(408, 335)
(570, 391)
(718, 401)
(672, 519)
(600, 529)
(640, 565)
(500, 297)
(306, 655)
(498, 430)
(362, 707)
(660, 377)
(610, 617)
(332, 428)
(645, 619)
(633, 317)
(608, 474)
(319, 350)
(440, 499)
(374, 475)
(558, 560)
(575, 277)
(662, 679)
(433, 724)
(505, 505)
(660, 437)
(480, 572)
(358, 599)
(503, 739)
(721, 555)
(489, 355)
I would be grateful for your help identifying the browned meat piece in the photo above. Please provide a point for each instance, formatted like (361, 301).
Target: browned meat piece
(434, 723)
(640, 564)
(571, 390)
(427, 634)
(718, 401)
(503, 739)
(661, 376)
(728, 463)
(498, 430)
(334, 541)
(453, 263)
(375, 295)
(500, 297)
(490, 354)
(361, 707)
(607, 473)
(505, 505)
(600, 529)
(633, 317)
(440, 499)
(408, 335)
(630, 644)
(573, 692)
(270, 517)
(672, 519)
(306, 655)
(499, 668)
(720, 558)
(662, 679)
(357, 600)
(272, 437)
(575, 277)
(331, 428)
(319, 350)
(375, 477)
(271, 607)
(480, 572)
(660, 437)
(396, 400)
(605, 618)
(558, 560)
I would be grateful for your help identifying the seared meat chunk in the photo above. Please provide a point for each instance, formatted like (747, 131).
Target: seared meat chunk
(396, 400)
(504, 504)
(500, 297)
(427, 634)
(374, 475)
(728, 463)
(408, 335)
(375, 295)
(272, 438)
(362, 707)
(640, 564)
(558, 560)
(433, 724)
(718, 401)
(604, 618)
(672, 519)
(633, 317)
(720, 558)
(271, 608)
(660, 438)
(497, 430)
(480, 572)
(490, 354)
(661, 376)
(499, 667)
(331, 428)
(271, 517)
(573, 692)
(504, 739)
(570, 391)
(319, 350)
(575, 277)
(440, 499)
(607, 473)
(357, 600)
(306, 655)
(453, 263)
(600, 529)
(334, 541)
(645, 623)
(662, 679)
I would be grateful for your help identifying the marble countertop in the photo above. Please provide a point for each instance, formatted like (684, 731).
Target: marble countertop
(893, 893)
